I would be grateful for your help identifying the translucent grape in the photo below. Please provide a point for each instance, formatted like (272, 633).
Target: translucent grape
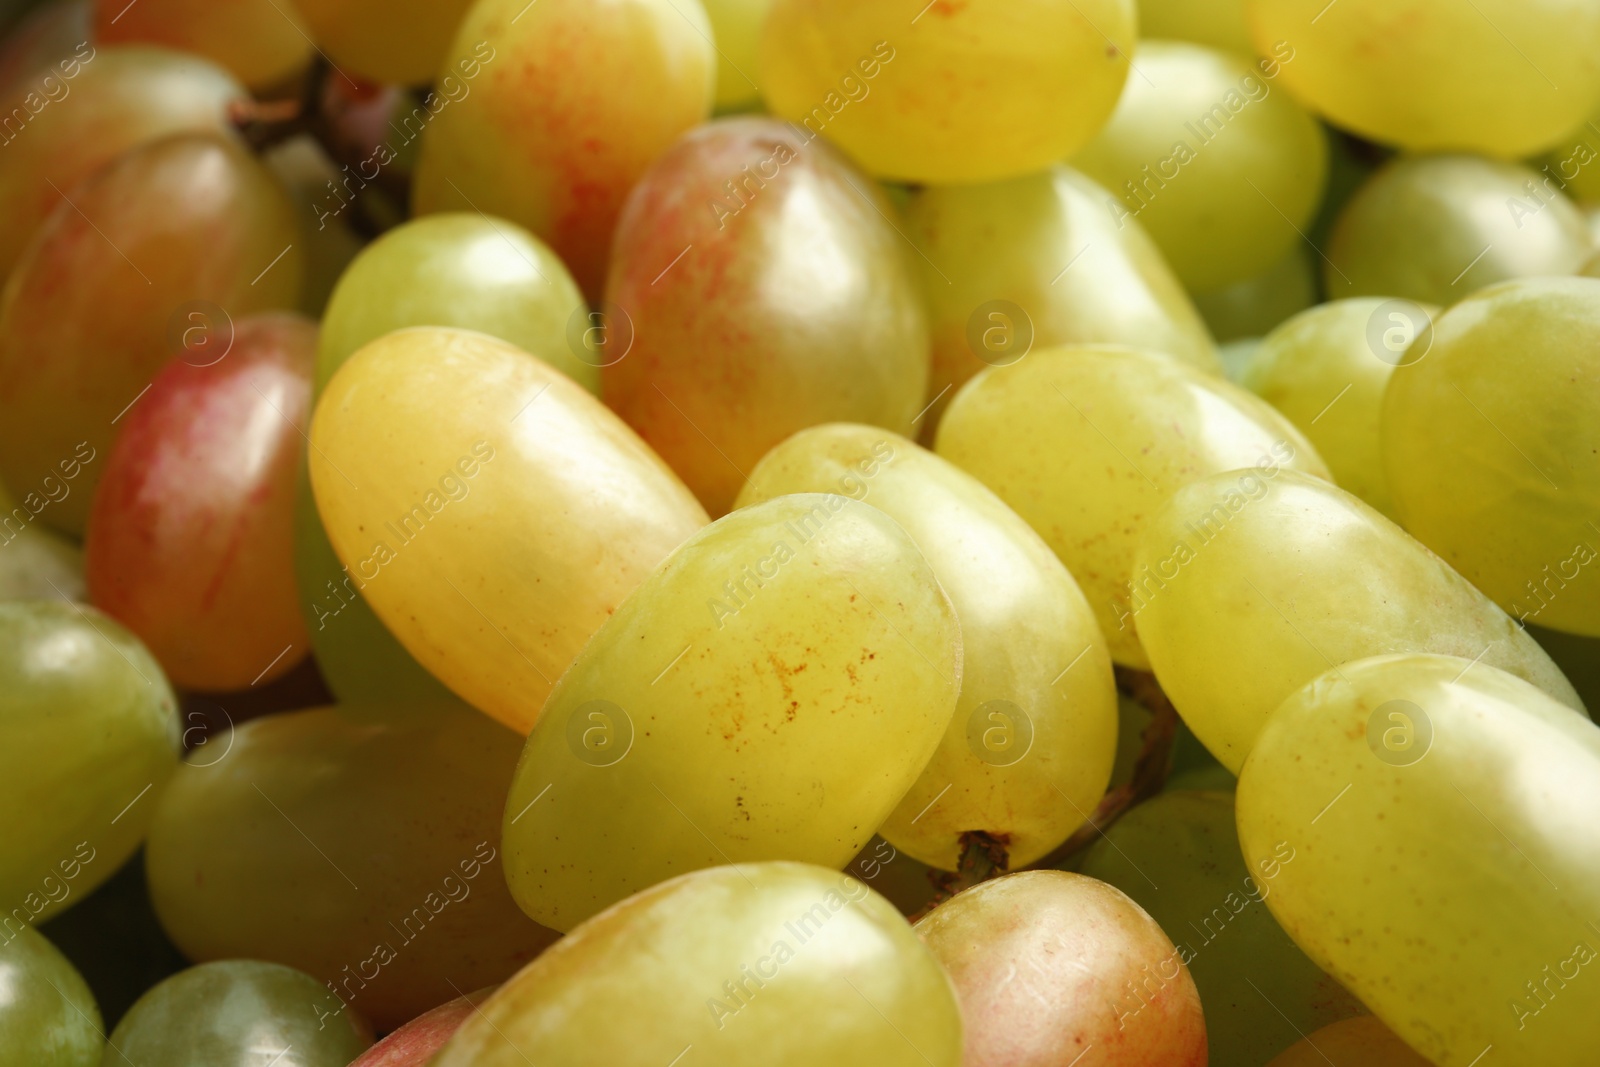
(1253, 307)
(35, 562)
(1360, 1042)
(1028, 752)
(736, 28)
(955, 93)
(48, 1017)
(770, 692)
(384, 40)
(261, 42)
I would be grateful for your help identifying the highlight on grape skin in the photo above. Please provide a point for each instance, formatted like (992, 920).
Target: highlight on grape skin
(778, 533)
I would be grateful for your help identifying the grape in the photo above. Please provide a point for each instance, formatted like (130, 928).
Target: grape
(48, 1017)
(1028, 752)
(1177, 855)
(1435, 806)
(1223, 171)
(1326, 369)
(1360, 1042)
(238, 1013)
(355, 843)
(45, 36)
(124, 97)
(1217, 23)
(191, 538)
(736, 29)
(770, 692)
(1248, 584)
(1055, 969)
(1436, 228)
(304, 171)
(35, 563)
(545, 138)
(741, 964)
(414, 1044)
(954, 93)
(1504, 77)
(1236, 357)
(1492, 447)
(198, 237)
(491, 512)
(382, 40)
(1568, 162)
(91, 728)
(792, 305)
(1252, 308)
(260, 41)
(470, 271)
(1086, 442)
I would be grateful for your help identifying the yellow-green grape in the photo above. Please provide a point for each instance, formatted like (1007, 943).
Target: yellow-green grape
(770, 692)
(1434, 74)
(778, 964)
(1436, 228)
(1037, 261)
(1177, 855)
(36, 563)
(260, 41)
(304, 170)
(1085, 443)
(237, 1013)
(491, 511)
(1223, 169)
(1326, 369)
(1249, 583)
(1441, 817)
(1253, 307)
(969, 92)
(736, 28)
(1029, 750)
(1491, 444)
(1218, 23)
(469, 271)
(402, 41)
(1359, 1042)
(48, 1017)
(91, 730)
(402, 894)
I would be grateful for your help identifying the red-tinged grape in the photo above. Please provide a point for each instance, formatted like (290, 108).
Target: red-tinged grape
(155, 256)
(414, 1044)
(191, 538)
(260, 41)
(766, 291)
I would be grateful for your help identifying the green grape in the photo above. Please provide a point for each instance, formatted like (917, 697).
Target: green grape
(91, 728)
(1040, 261)
(48, 1017)
(122, 98)
(304, 170)
(560, 159)
(1326, 369)
(1027, 755)
(355, 844)
(793, 304)
(1085, 443)
(491, 511)
(35, 562)
(970, 92)
(1441, 817)
(469, 271)
(1359, 1042)
(770, 692)
(260, 41)
(205, 238)
(1223, 172)
(237, 1013)
(1436, 228)
(1252, 308)
(1492, 447)
(1248, 584)
(1177, 855)
(1236, 357)
(735, 965)
(1434, 74)
(736, 28)
(1217, 23)
(42, 38)
(1049, 965)
(401, 41)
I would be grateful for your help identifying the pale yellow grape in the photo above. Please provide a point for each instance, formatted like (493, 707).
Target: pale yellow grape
(1326, 369)
(736, 28)
(770, 692)
(1085, 443)
(1359, 1042)
(769, 964)
(960, 92)
(1503, 77)
(1492, 447)
(1248, 584)
(1436, 228)
(1029, 750)
(1218, 23)
(1253, 307)
(1445, 864)
(1221, 166)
